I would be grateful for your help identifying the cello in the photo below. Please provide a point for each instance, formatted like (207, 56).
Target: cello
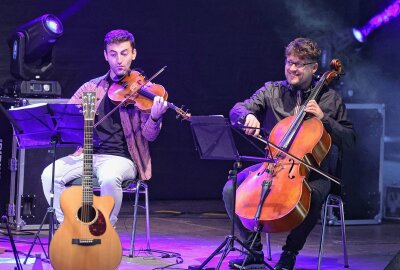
(299, 144)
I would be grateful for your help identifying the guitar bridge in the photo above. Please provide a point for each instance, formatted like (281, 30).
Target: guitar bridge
(86, 242)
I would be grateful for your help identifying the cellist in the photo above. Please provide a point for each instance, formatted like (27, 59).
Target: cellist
(272, 103)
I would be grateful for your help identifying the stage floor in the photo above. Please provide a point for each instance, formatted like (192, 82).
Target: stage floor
(194, 229)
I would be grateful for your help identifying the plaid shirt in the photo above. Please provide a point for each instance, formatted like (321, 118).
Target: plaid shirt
(138, 127)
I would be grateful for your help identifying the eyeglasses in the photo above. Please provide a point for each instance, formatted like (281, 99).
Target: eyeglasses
(289, 63)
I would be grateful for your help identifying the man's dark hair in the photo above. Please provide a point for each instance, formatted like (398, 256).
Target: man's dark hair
(118, 36)
(304, 48)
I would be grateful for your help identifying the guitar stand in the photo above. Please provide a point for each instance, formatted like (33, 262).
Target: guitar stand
(50, 213)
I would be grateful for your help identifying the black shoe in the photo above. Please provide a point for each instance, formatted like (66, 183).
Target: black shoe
(252, 262)
(287, 261)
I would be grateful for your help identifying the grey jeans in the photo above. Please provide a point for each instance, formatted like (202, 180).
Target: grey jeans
(110, 171)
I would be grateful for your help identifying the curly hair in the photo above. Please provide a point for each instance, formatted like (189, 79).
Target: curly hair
(118, 36)
(304, 48)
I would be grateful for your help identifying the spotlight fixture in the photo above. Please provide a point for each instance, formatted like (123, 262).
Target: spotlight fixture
(32, 47)
(32, 56)
(358, 35)
(391, 12)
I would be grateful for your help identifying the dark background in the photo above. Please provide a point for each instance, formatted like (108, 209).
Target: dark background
(217, 53)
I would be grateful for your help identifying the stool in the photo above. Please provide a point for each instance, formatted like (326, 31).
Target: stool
(332, 201)
(133, 186)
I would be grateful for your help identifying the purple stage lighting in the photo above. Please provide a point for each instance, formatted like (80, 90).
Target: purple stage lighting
(388, 14)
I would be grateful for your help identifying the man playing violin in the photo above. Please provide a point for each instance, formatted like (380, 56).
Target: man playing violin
(272, 103)
(122, 150)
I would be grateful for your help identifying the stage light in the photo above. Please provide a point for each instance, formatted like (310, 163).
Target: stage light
(391, 12)
(358, 35)
(32, 47)
(32, 58)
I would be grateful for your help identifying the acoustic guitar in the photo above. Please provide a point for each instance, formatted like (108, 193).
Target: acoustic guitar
(86, 240)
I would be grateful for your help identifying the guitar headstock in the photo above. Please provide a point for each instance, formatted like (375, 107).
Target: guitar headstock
(88, 104)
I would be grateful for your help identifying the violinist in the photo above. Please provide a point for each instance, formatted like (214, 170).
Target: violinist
(270, 104)
(122, 151)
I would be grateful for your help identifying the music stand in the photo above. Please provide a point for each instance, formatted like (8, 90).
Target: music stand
(213, 139)
(44, 125)
(14, 248)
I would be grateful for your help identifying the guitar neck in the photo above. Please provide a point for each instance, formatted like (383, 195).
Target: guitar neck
(87, 178)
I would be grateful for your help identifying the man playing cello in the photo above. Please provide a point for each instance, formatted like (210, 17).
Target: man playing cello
(272, 103)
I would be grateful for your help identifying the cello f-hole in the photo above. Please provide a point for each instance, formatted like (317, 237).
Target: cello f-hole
(291, 168)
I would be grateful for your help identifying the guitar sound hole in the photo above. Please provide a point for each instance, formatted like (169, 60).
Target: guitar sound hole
(87, 214)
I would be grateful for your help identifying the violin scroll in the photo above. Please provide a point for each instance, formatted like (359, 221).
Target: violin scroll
(182, 113)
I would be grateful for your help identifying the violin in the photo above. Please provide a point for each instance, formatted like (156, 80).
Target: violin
(134, 89)
(276, 197)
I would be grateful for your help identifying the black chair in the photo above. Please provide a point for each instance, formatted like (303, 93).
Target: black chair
(332, 201)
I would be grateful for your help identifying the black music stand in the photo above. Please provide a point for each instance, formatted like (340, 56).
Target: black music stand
(14, 248)
(44, 125)
(213, 140)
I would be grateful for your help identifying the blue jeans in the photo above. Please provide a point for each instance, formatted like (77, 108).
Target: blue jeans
(110, 171)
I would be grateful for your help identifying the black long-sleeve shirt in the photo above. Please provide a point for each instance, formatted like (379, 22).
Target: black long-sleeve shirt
(277, 100)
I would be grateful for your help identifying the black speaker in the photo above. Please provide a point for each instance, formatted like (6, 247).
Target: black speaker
(394, 264)
(31, 204)
(362, 165)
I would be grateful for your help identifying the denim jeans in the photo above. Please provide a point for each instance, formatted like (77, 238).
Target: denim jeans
(110, 171)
